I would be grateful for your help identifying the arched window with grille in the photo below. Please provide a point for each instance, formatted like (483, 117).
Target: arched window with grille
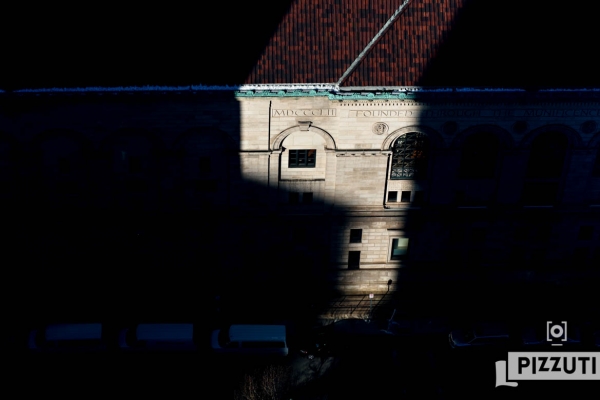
(596, 167)
(547, 156)
(410, 157)
(479, 156)
(545, 168)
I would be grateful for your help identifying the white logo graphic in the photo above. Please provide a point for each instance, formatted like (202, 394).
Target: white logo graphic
(548, 366)
(556, 332)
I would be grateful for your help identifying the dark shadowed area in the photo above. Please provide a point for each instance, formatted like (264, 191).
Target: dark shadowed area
(122, 207)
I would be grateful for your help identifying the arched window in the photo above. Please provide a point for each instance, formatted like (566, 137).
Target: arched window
(596, 168)
(547, 155)
(410, 156)
(479, 156)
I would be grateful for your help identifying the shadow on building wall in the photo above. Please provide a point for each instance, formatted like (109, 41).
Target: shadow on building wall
(146, 205)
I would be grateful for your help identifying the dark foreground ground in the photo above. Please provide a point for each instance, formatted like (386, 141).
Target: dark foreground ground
(421, 366)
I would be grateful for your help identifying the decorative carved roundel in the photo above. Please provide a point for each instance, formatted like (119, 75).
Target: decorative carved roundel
(588, 126)
(520, 127)
(450, 127)
(380, 128)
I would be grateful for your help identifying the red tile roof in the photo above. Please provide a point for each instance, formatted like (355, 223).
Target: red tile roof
(319, 39)
(405, 51)
(504, 43)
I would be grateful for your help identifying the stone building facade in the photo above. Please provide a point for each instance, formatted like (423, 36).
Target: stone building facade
(285, 185)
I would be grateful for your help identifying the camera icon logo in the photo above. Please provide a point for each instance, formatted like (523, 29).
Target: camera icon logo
(556, 332)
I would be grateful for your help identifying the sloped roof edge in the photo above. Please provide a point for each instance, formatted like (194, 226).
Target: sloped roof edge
(373, 41)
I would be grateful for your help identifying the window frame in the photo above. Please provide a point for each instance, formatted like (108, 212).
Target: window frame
(302, 158)
(392, 198)
(405, 167)
(391, 249)
(357, 234)
(353, 264)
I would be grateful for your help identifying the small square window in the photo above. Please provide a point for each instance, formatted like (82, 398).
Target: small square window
(135, 165)
(540, 193)
(204, 165)
(585, 232)
(353, 259)
(302, 158)
(206, 185)
(419, 197)
(475, 256)
(67, 187)
(355, 235)
(307, 198)
(580, 254)
(522, 234)
(544, 232)
(299, 234)
(392, 197)
(478, 235)
(405, 196)
(596, 167)
(596, 257)
(294, 197)
(538, 255)
(399, 248)
(64, 166)
(137, 185)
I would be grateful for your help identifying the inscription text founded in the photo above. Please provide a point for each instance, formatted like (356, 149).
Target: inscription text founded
(325, 112)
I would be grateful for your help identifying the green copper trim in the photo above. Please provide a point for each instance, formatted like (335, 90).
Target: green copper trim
(323, 93)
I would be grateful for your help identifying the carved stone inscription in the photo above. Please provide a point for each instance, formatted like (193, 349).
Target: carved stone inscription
(325, 112)
(454, 113)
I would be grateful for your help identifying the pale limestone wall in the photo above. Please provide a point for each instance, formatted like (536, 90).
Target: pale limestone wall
(375, 246)
(303, 140)
(360, 179)
(350, 175)
(363, 281)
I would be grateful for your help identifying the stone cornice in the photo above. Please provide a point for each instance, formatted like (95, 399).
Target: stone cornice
(334, 92)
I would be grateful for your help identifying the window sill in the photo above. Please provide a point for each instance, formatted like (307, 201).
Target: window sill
(401, 205)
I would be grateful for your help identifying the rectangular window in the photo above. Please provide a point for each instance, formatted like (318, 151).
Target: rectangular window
(392, 197)
(302, 158)
(135, 165)
(419, 197)
(137, 185)
(353, 259)
(307, 198)
(540, 193)
(522, 234)
(585, 232)
(299, 234)
(294, 197)
(204, 165)
(405, 196)
(478, 235)
(66, 187)
(355, 235)
(64, 166)
(596, 258)
(206, 185)
(596, 167)
(580, 255)
(399, 248)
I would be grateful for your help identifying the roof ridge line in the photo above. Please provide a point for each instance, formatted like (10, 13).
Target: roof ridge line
(370, 45)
